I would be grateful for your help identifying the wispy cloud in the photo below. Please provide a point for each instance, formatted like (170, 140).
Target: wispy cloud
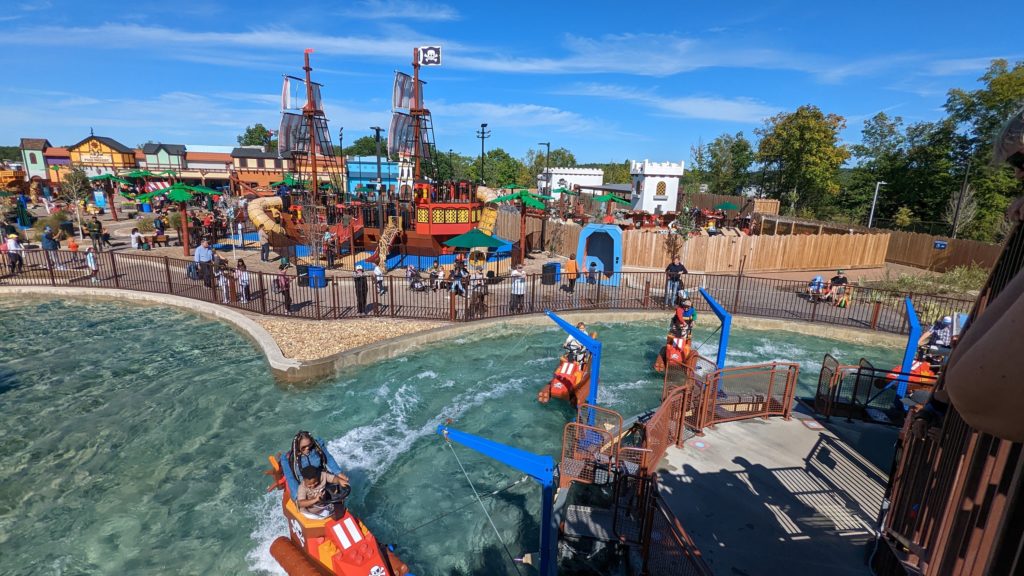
(170, 40)
(741, 110)
(35, 6)
(400, 10)
(958, 66)
(466, 115)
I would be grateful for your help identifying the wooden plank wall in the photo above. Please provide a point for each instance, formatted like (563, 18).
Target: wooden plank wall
(709, 201)
(645, 249)
(761, 253)
(918, 250)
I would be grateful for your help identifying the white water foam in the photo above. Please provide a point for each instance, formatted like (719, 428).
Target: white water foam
(375, 447)
(270, 525)
(427, 374)
(545, 360)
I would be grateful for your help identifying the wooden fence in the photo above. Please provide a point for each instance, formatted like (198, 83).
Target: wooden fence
(719, 254)
(716, 254)
(709, 201)
(920, 250)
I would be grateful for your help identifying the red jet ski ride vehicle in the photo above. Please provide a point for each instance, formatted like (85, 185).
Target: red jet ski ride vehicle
(571, 380)
(676, 352)
(339, 544)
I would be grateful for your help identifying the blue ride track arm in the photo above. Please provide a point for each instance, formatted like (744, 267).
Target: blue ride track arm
(911, 351)
(726, 319)
(594, 346)
(540, 468)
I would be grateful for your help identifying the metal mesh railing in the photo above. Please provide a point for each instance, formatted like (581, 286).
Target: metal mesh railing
(588, 455)
(743, 392)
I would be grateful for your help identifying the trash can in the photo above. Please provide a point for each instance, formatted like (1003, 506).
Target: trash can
(302, 274)
(146, 207)
(551, 273)
(317, 277)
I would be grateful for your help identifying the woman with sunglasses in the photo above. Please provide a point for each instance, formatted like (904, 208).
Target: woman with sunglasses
(309, 451)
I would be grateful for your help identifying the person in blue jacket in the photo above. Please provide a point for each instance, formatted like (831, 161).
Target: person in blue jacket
(308, 451)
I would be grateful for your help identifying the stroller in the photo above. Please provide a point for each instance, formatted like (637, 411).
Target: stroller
(415, 279)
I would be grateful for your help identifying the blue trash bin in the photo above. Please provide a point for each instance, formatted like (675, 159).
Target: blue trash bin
(146, 207)
(317, 277)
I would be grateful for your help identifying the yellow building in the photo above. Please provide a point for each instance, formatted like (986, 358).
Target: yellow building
(101, 155)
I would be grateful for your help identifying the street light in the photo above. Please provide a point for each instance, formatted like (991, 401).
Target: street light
(547, 157)
(380, 205)
(451, 163)
(344, 169)
(483, 133)
(871, 217)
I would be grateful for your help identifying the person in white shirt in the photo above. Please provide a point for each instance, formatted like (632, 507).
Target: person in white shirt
(15, 262)
(515, 304)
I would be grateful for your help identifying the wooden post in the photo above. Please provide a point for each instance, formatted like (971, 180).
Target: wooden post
(451, 307)
(376, 299)
(263, 294)
(183, 230)
(647, 294)
(316, 302)
(792, 228)
(533, 293)
(391, 295)
(739, 284)
(113, 267)
(108, 189)
(167, 269)
(876, 311)
(775, 230)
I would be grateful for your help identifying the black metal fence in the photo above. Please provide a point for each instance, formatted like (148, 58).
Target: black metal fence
(337, 296)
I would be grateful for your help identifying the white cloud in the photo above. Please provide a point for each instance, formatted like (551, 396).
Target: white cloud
(401, 10)
(469, 115)
(171, 41)
(741, 110)
(957, 66)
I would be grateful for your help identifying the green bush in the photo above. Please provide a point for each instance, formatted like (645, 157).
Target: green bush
(53, 221)
(146, 225)
(964, 281)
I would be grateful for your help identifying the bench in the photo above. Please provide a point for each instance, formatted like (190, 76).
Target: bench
(157, 240)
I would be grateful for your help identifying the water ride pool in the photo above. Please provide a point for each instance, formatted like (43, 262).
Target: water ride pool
(133, 438)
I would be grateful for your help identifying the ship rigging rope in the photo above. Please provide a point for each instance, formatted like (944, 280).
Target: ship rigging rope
(484, 508)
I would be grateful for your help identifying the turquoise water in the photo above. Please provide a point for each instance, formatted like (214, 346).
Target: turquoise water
(133, 439)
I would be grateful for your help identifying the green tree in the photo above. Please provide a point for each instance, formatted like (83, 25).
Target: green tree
(614, 172)
(10, 153)
(728, 166)
(904, 217)
(366, 146)
(534, 161)
(258, 135)
(979, 114)
(803, 151)
(697, 174)
(500, 168)
(74, 188)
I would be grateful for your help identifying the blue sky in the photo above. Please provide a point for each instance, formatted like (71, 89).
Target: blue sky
(607, 80)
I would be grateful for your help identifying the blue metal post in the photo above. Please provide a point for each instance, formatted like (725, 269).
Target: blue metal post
(911, 351)
(726, 319)
(594, 346)
(540, 468)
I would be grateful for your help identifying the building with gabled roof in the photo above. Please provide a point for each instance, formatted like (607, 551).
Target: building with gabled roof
(32, 157)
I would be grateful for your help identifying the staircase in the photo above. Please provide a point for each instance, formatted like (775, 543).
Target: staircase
(391, 232)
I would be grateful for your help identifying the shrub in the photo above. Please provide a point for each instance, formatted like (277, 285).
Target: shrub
(146, 225)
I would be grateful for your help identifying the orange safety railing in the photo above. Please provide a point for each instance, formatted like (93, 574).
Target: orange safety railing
(744, 392)
(588, 455)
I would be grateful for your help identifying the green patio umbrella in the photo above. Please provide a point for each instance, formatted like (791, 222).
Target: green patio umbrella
(727, 206)
(289, 180)
(139, 174)
(167, 173)
(110, 178)
(474, 239)
(611, 198)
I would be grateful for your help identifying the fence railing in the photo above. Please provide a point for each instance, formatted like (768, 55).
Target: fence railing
(341, 295)
(850, 391)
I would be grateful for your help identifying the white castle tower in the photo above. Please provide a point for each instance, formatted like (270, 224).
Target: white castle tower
(655, 185)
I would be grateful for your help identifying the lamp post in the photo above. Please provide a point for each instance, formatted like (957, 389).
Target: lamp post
(547, 190)
(451, 163)
(547, 157)
(871, 217)
(380, 205)
(483, 133)
(344, 166)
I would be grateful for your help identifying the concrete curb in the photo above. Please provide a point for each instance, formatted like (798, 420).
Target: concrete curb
(292, 370)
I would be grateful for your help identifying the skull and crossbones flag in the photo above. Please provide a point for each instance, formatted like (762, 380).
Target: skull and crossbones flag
(430, 55)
